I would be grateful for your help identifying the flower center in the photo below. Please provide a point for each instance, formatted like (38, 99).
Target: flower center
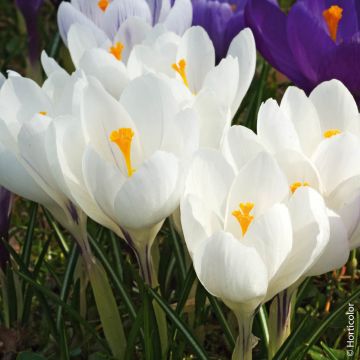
(44, 113)
(243, 216)
(294, 186)
(103, 4)
(123, 138)
(180, 68)
(331, 132)
(117, 50)
(332, 16)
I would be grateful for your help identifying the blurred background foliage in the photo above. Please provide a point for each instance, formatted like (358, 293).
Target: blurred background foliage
(47, 310)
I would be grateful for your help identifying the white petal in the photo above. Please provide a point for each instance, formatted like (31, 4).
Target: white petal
(49, 65)
(209, 179)
(181, 135)
(336, 252)
(311, 232)
(20, 100)
(271, 236)
(274, 129)
(132, 32)
(198, 51)
(68, 15)
(119, 11)
(260, 182)
(103, 181)
(179, 17)
(298, 168)
(336, 107)
(214, 118)
(299, 109)
(243, 48)
(82, 38)
(105, 67)
(100, 115)
(15, 178)
(240, 145)
(152, 193)
(337, 159)
(2, 79)
(345, 201)
(231, 270)
(158, 107)
(223, 80)
(198, 221)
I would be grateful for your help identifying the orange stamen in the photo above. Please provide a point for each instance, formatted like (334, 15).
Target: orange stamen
(332, 16)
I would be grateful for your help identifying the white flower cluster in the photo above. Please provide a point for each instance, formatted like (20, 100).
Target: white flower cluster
(142, 126)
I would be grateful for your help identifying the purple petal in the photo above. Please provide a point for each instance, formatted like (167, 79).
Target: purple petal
(342, 65)
(308, 40)
(269, 26)
(349, 23)
(5, 212)
(30, 9)
(213, 16)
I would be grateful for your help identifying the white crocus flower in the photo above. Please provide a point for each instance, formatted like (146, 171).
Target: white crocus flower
(316, 141)
(248, 236)
(22, 101)
(123, 21)
(130, 156)
(30, 167)
(216, 90)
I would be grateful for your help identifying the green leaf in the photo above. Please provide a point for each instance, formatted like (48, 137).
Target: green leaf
(26, 355)
(178, 250)
(73, 313)
(117, 283)
(315, 336)
(180, 325)
(222, 320)
(332, 353)
(59, 235)
(26, 251)
(107, 308)
(287, 347)
(68, 276)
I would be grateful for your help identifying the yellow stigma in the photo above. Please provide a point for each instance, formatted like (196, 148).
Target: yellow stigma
(180, 68)
(332, 16)
(294, 186)
(44, 113)
(331, 132)
(243, 216)
(117, 50)
(103, 4)
(123, 138)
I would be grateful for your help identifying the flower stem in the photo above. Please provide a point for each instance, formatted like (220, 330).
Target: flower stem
(149, 275)
(280, 319)
(244, 342)
(105, 300)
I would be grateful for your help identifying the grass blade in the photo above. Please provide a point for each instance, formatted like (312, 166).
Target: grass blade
(222, 320)
(180, 325)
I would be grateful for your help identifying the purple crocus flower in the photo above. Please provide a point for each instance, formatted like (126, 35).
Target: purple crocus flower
(317, 41)
(5, 211)
(222, 19)
(30, 9)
